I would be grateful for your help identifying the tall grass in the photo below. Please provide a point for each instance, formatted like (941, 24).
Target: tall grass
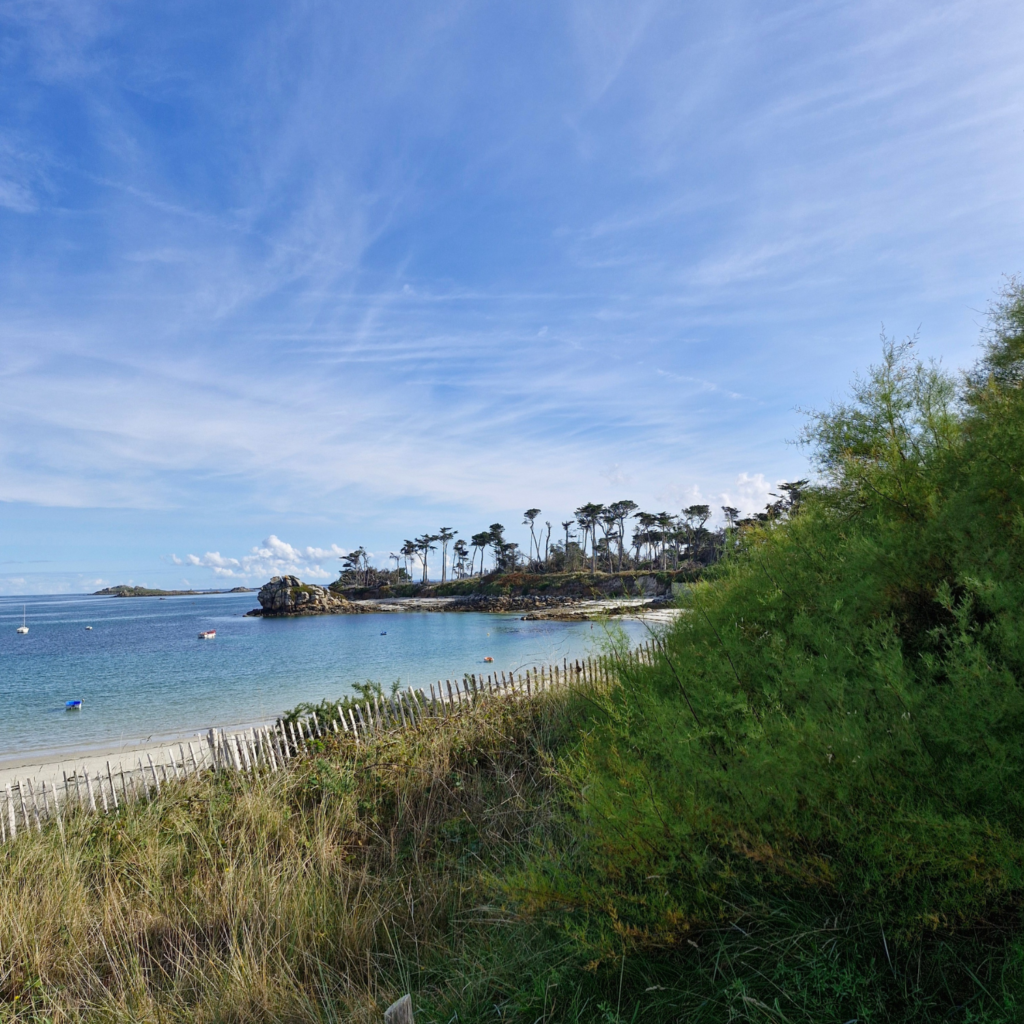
(316, 894)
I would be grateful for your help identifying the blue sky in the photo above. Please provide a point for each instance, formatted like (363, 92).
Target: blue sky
(277, 280)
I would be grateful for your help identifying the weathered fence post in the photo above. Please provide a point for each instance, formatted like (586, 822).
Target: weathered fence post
(110, 779)
(103, 796)
(35, 806)
(21, 800)
(243, 752)
(56, 808)
(400, 1012)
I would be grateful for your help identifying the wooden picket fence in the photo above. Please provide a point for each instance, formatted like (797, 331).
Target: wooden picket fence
(29, 804)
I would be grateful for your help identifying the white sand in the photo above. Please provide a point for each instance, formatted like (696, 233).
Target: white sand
(52, 767)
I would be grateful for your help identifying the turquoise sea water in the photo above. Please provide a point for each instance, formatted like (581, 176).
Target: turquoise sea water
(142, 672)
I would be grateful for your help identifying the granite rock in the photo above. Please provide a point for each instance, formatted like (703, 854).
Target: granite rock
(288, 595)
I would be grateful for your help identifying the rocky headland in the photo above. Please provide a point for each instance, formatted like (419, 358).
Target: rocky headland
(572, 597)
(288, 595)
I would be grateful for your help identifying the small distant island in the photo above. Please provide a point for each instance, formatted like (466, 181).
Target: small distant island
(123, 590)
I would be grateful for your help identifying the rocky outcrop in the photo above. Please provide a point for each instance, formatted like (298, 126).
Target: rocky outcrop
(288, 595)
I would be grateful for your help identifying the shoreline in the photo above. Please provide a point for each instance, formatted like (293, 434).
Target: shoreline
(49, 762)
(50, 765)
(566, 609)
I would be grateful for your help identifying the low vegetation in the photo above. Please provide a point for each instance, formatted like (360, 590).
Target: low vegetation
(124, 590)
(808, 808)
(317, 894)
(570, 586)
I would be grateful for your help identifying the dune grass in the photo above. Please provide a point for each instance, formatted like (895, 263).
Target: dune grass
(320, 893)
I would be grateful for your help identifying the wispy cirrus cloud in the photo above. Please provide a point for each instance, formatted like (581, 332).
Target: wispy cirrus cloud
(356, 272)
(704, 385)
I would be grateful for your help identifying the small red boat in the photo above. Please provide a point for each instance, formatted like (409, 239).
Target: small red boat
(207, 634)
(488, 658)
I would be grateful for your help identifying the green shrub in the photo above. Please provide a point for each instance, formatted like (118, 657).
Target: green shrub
(835, 727)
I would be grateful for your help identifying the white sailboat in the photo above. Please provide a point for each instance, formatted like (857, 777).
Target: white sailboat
(23, 628)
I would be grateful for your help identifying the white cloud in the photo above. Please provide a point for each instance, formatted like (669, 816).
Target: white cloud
(616, 475)
(749, 494)
(678, 497)
(274, 557)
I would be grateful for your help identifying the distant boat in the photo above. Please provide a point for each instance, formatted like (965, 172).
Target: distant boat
(73, 705)
(88, 627)
(22, 628)
(207, 634)
(383, 632)
(488, 658)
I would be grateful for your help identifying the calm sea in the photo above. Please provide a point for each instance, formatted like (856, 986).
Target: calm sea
(142, 672)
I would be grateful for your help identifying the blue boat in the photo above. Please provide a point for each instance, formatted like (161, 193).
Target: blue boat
(73, 705)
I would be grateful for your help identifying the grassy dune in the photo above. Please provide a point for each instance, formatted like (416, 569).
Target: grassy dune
(316, 894)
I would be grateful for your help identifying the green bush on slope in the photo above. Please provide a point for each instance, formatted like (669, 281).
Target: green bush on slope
(837, 723)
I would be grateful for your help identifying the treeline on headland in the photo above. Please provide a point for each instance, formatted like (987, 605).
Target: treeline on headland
(807, 806)
(594, 539)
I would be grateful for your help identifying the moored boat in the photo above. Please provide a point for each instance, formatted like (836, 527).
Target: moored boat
(73, 705)
(207, 634)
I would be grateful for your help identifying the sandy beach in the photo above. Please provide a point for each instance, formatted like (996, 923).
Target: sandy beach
(51, 767)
